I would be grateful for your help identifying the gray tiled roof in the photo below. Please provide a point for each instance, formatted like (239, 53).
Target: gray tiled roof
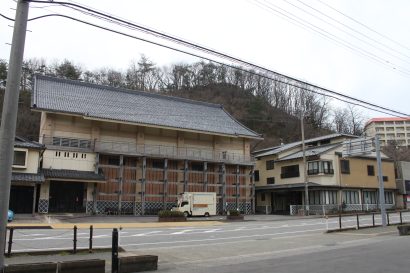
(27, 177)
(109, 103)
(279, 149)
(311, 151)
(20, 142)
(72, 174)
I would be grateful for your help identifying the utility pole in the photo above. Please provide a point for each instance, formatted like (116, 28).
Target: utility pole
(9, 117)
(305, 179)
(381, 182)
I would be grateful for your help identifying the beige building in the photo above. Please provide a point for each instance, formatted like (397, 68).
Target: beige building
(389, 130)
(112, 150)
(26, 176)
(332, 179)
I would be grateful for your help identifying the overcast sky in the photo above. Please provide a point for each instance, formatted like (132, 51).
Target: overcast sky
(259, 31)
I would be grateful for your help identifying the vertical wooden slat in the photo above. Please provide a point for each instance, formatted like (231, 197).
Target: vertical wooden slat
(223, 178)
(165, 188)
(237, 186)
(143, 181)
(120, 183)
(205, 176)
(185, 175)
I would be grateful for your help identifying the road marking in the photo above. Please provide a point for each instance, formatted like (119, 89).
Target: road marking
(182, 232)
(143, 234)
(212, 230)
(223, 238)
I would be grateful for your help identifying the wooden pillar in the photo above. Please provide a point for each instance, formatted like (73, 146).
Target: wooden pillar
(237, 186)
(120, 183)
(205, 176)
(96, 170)
(136, 187)
(253, 193)
(33, 208)
(143, 183)
(185, 175)
(165, 187)
(223, 181)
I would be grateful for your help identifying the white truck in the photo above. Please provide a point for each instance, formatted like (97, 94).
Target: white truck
(197, 204)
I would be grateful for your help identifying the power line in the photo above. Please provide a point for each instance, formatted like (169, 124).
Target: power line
(352, 29)
(363, 25)
(328, 35)
(335, 95)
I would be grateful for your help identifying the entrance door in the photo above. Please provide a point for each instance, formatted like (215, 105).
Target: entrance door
(66, 196)
(21, 199)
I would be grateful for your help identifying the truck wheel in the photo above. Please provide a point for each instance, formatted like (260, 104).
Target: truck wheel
(206, 214)
(186, 214)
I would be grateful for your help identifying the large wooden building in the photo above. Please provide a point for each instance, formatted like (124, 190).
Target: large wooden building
(123, 151)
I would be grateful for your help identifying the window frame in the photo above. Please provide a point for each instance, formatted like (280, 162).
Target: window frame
(370, 170)
(270, 164)
(19, 166)
(344, 166)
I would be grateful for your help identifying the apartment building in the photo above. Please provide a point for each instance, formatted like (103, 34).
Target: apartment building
(333, 182)
(389, 130)
(26, 178)
(111, 150)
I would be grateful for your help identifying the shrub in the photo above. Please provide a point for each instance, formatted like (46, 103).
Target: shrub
(234, 212)
(170, 214)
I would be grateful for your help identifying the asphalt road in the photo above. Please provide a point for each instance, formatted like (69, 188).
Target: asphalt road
(288, 246)
(140, 238)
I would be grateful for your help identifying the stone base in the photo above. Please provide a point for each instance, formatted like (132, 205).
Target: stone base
(171, 219)
(404, 230)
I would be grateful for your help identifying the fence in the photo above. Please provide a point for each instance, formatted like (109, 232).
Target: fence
(359, 221)
(334, 208)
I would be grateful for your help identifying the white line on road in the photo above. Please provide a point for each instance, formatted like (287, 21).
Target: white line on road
(223, 238)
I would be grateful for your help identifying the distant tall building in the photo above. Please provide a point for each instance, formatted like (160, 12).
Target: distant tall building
(390, 129)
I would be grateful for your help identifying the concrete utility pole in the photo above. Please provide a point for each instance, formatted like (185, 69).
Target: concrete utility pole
(305, 179)
(381, 182)
(9, 117)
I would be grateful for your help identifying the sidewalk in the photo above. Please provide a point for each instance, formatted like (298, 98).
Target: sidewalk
(68, 221)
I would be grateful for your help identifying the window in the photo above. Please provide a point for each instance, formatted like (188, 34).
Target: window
(385, 178)
(256, 175)
(351, 197)
(263, 197)
(313, 167)
(75, 155)
(289, 171)
(58, 154)
(345, 166)
(270, 164)
(84, 156)
(369, 197)
(158, 164)
(113, 160)
(331, 197)
(370, 170)
(388, 197)
(197, 166)
(270, 180)
(19, 159)
(315, 198)
(317, 167)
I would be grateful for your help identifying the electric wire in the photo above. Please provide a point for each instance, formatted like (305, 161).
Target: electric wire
(223, 55)
(363, 25)
(334, 95)
(352, 29)
(276, 9)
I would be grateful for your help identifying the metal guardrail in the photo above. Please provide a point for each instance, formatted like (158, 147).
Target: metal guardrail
(335, 208)
(129, 148)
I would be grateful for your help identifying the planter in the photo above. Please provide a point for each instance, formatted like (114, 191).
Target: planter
(404, 230)
(171, 219)
(234, 217)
